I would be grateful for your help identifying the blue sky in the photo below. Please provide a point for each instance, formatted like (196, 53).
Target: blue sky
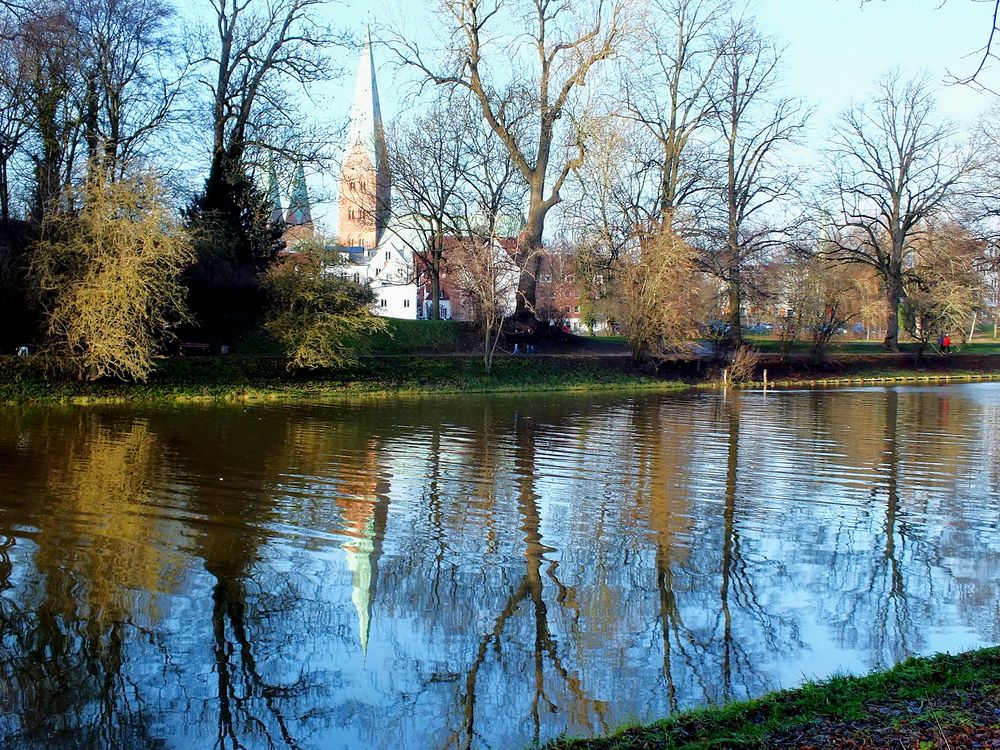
(834, 52)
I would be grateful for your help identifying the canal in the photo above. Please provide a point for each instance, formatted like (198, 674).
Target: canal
(478, 571)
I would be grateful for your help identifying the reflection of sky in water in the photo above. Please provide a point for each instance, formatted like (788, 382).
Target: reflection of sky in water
(479, 571)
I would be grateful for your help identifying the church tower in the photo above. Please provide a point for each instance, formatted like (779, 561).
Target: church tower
(363, 204)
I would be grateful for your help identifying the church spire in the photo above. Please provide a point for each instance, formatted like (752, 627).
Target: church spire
(298, 201)
(365, 127)
(363, 203)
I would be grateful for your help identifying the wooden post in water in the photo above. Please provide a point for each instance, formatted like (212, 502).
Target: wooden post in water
(725, 378)
(765, 380)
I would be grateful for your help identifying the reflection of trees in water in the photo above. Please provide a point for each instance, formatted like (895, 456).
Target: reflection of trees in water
(85, 608)
(485, 573)
(886, 560)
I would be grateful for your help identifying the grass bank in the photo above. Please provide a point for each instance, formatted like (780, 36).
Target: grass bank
(579, 367)
(876, 369)
(264, 378)
(938, 702)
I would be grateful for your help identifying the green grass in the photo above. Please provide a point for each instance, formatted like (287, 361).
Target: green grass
(422, 336)
(261, 378)
(942, 686)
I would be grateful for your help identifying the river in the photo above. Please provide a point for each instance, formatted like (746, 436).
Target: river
(478, 571)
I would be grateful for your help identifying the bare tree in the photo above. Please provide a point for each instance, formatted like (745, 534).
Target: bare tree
(48, 54)
(947, 287)
(489, 276)
(428, 163)
(668, 90)
(894, 165)
(255, 50)
(745, 220)
(617, 189)
(493, 191)
(524, 105)
(14, 114)
(128, 61)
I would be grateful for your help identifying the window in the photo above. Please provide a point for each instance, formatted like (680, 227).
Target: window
(354, 185)
(378, 271)
(576, 308)
(388, 255)
(357, 277)
(406, 303)
(383, 303)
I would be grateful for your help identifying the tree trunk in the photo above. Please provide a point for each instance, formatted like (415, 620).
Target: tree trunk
(529, 260)
(893, 293)
(735, 335)
(435, 292)
(487, 351)
(5, 195)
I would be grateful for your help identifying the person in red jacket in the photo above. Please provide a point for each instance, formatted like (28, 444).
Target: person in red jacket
(946, 343)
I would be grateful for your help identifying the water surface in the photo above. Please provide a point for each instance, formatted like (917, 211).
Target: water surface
(478, 571)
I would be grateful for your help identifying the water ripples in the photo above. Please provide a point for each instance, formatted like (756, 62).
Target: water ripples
(414, 567)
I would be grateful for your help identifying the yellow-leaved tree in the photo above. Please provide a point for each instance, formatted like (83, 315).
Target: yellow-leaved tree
(321, 318)
(656, 297)
(109, 275)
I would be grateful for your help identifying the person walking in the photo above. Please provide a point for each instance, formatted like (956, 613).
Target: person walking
(946, 343)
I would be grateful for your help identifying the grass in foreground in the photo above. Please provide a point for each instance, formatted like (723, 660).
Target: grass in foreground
(922, 703)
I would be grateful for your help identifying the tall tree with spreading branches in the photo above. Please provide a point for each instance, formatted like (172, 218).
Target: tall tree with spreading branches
(534, 109)
(668, 88)
(894, 165)
(746, 216)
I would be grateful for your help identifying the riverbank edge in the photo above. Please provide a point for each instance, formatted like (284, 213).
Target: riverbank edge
(255, 379)
(263, 379)
(940, 700)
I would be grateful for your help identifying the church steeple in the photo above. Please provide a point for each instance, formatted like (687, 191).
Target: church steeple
(365, 127)
(298, 201)
(364, 178)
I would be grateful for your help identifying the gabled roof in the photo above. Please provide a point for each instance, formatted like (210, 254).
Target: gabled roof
(366, 116)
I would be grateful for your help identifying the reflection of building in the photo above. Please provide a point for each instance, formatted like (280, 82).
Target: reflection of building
(362, 507)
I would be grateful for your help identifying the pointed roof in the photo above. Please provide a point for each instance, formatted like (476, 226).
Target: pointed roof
(298, 201)
(273, 196)
(366, 116)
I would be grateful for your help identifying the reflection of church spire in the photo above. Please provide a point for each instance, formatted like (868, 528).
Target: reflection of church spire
(273, 196)
(363, 565)
(364, 510)
(298, 202)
